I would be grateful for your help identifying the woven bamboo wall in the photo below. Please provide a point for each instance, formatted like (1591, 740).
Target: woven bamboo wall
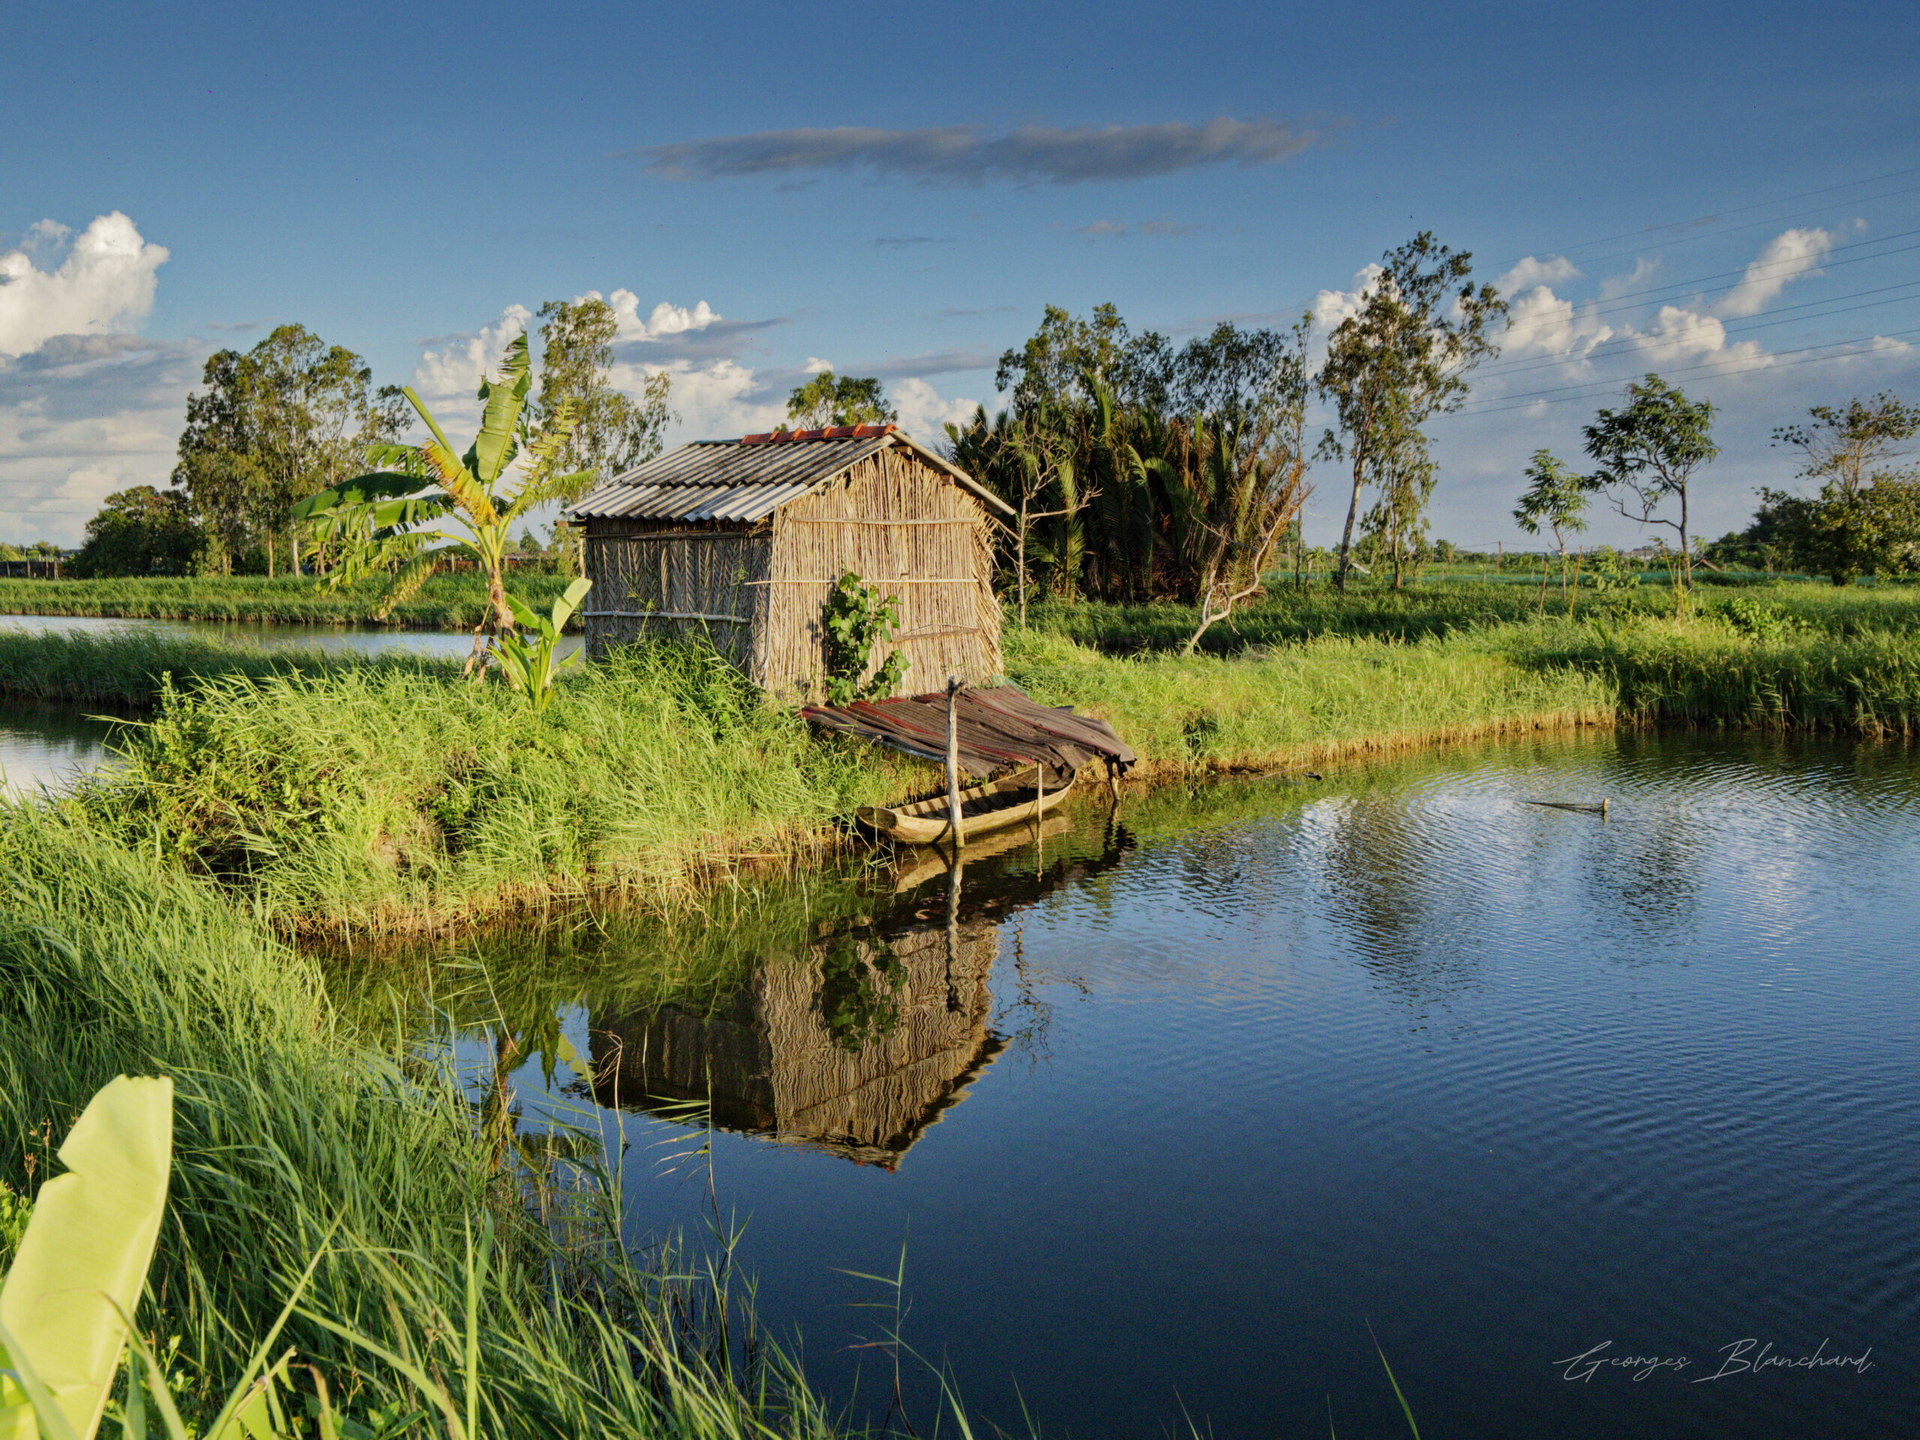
(906, 528)
(768, 1063)
(682, 584)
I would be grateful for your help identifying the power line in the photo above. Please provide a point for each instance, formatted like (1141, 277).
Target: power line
(1528, 399)
(1737, 210)
(1738, 327)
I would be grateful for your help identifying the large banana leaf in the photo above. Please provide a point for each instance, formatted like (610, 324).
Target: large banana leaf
(502, 401)
(83, 1262)
(361, 490)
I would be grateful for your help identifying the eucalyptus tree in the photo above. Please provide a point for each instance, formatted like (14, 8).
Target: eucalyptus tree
(288, 416)
(1399, 360)
(431, 504)
(612, 431)
(1647, 451)
(829, 399)
(1555, 499)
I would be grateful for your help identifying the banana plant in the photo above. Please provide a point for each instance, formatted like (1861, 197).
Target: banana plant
(526, 652)
(431, 504)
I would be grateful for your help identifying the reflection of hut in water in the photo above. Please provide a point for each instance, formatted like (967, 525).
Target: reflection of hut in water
(856, 1047)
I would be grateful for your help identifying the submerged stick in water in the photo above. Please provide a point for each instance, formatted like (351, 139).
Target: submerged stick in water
(1582, 809)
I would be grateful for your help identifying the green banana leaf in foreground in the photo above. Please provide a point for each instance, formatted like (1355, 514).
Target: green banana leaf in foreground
(83, 1262)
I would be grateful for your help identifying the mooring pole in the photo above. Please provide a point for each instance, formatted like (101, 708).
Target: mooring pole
(953, 761)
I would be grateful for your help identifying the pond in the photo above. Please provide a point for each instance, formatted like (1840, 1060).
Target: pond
(1171, 1114)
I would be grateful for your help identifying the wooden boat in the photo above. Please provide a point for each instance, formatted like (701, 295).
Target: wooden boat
(1015, 800)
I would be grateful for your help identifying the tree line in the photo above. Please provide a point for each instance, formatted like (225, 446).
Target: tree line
(295, 415)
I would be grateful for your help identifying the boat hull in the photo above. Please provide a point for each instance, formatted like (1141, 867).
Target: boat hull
(997, 805)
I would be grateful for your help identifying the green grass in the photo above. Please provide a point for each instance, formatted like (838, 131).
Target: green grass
(447, 602)
(131, 670)
(382, 797)
(294, 1141)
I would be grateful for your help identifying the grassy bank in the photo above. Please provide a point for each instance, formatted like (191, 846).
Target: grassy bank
(446, 602)
(386, 796)
(294, 1142)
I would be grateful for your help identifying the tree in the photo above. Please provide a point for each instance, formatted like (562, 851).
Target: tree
(1556, 499)
(1846, 447)
(1844, 534)
(1396, 363)
(828, 399)
(395, 514)
(1647, 451)
(291, 415)
(1250, 397)
(612, 431)
(140, 531)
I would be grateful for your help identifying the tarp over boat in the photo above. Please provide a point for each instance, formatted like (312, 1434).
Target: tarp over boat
(997, 727)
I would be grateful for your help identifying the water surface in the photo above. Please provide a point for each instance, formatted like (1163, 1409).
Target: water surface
(1164, 1116)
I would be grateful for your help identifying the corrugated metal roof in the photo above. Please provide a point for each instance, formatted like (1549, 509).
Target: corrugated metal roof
(739, 481)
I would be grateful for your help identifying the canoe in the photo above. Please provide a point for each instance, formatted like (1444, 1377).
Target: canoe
(1017, 799)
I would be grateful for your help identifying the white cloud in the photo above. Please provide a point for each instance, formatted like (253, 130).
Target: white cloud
(1542, 323)
(924, 414)
(1789, 256)
(1330, 307)
(665, 318)
(1632, 281)
(816, 366)
(1679, 334)
(456, 369)
(1532, 271)
(105, 281)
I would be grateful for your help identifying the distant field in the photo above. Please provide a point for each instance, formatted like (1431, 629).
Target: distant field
(446, 602)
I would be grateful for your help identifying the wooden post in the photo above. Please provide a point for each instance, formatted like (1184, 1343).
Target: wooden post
(953, 761)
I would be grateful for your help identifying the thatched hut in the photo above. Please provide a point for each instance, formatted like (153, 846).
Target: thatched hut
(741, 540)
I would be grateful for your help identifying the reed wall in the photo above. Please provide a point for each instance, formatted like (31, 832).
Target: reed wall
(907, 529)
(758, 592)
(681, 584)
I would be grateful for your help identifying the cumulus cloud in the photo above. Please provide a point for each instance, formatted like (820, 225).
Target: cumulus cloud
(82, 416)
(1789, 256)
(1532, 271)
(457, 367)
(973, 155)
(1680, 334)
(103, 282)
(1540, 322)
(1631, 281)
(1330, 307)
(924, 413)
(663, 320)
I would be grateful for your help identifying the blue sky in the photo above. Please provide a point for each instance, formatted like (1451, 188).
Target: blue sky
(900, 190)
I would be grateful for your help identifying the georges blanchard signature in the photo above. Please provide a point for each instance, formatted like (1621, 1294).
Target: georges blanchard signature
(1739, 1358)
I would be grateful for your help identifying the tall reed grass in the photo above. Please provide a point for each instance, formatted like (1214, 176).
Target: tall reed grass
(292, 1142)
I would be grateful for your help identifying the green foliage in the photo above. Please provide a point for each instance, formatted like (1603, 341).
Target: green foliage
(292, 412)
(1761, 620)
(354, 1180)
(859, 980)
(15, 1211)
(1401, 359)
(1844, 534)
(1847, 446)
(828, 399)
(1647, 452)
(1605, 571)
(140, 532)
(856, 621)
(447, 601)
(1555, 499)
(611, 431)
(394, 517)
(528, 663)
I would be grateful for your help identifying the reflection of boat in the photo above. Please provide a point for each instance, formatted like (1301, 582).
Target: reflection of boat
(920, 866)
(1017, 799)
